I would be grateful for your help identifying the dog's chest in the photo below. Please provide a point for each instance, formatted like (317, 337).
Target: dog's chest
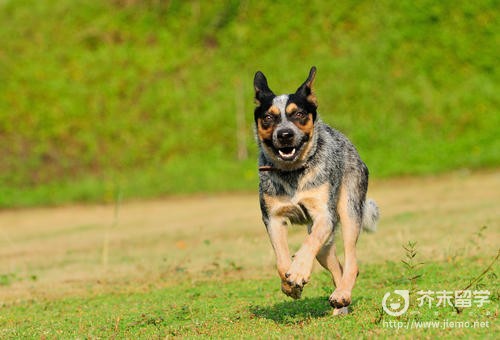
(288, 207)
(299, 199)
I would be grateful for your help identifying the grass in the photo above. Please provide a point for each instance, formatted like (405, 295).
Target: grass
(203, 266)
(256, 308)
(140, 96)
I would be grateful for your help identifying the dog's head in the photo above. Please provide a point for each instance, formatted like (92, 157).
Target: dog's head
(285, 123)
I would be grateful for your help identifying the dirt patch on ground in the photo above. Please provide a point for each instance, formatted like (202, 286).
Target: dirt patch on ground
(82, 249)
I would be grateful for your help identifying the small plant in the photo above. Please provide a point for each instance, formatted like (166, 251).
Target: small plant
(410, 264)
(475, 282)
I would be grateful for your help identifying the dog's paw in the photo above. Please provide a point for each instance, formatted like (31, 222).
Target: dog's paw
(297, 276)
(340, 298)
(291, 291)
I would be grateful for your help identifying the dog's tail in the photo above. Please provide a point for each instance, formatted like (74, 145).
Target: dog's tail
(370, 216)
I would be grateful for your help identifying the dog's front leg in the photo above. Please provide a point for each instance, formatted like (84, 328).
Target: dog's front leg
(277, 230)
(300, 271)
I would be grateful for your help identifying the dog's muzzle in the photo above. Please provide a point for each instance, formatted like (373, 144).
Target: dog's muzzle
(287, 145)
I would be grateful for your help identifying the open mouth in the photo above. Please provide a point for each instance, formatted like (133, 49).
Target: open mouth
(287, 153)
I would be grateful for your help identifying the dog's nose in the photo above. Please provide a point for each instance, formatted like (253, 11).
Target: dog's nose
(285, 135)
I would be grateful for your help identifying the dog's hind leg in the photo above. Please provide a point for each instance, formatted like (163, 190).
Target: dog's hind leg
(327, 257)
(349, 209)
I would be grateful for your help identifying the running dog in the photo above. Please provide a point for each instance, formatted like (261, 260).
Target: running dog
(310, 174)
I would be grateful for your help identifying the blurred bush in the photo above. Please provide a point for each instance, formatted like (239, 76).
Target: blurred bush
(142, 96)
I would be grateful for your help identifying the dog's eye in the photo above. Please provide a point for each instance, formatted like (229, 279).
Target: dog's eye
(268, 118)
(300, 115)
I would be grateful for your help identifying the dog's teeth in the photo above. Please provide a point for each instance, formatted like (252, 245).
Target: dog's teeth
(282, 154)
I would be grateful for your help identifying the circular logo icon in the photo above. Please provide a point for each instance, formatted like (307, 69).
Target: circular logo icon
(397, 303)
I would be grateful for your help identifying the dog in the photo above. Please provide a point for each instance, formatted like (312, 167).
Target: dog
(310, 174)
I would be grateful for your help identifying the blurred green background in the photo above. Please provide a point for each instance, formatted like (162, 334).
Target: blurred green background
(146, 98)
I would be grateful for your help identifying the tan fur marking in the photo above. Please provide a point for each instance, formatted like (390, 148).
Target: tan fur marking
(282, 206)
(312, 99)
(311, 81)
(274, 110)
(342, 203)
(315, 200)
(308, 127)
(292, 107)
(277, 231)
(263, 133)
(327, 257)
(350, 233)
(275, 203)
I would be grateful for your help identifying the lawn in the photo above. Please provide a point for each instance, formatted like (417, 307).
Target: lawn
(182, 267)
(256, 308)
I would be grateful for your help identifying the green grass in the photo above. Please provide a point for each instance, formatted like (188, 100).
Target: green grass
(186, 268)
(140, 96)
(256, 308)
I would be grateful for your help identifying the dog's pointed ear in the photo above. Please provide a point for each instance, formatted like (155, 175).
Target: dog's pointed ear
(261, 88)
(306, 90)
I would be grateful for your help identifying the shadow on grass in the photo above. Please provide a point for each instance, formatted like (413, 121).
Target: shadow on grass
(288, 312)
